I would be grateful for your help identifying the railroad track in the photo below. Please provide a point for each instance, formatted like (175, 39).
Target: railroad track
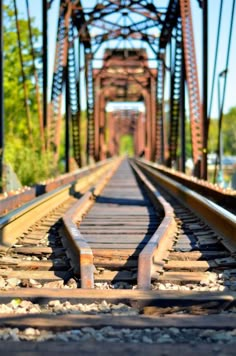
(225, 197)
(135, 256)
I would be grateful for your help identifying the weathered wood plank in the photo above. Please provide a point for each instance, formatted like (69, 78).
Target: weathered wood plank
(188, 265)
(23, 264)
(37, 275)
(115, 276)
(72, 321)
(196, 255)
(183, 277)
(134, 297)
(38, 250)
(120, 246)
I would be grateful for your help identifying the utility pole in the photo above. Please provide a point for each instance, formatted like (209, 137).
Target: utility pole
(45, 61)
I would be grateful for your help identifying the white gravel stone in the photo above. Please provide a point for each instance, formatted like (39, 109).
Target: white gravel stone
(14, 334)
(109, 334)
(5, 309)
(2, 282)
(31, 332)
(147, 340)
(54, 284)
(54, 303)
(62, 337)
(165, 339)
(13, 282)
(71, 284)
(221, 336)
(174, 331)
(34, 284)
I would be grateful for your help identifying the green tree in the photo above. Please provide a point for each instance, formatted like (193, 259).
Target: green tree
(127, 145)
(27, 161)
(229, 132)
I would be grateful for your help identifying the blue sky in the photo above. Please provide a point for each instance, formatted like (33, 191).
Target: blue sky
(35, 8)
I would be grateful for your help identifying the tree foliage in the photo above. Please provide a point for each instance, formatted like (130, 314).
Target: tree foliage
(228, 131)
(27, 161)
(127, 145)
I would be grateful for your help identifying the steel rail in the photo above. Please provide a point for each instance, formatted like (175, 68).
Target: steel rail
(219, 195)
(81, 254)
(19, 220)
(221, 220)
(158, 246)
(154, 252)
(17, 199)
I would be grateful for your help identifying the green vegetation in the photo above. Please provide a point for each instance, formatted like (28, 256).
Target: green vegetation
(228, 131)
(127, 145)
(21, 151)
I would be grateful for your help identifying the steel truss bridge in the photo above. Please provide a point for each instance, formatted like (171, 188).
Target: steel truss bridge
(133, 70)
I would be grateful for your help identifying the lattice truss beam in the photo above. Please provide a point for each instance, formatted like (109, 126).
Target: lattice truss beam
(125, 73)
(178, 28)
(93, 26)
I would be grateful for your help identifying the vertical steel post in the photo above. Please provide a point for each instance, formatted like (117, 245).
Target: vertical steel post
(205, 90)
(67, 123)
(1, 101)
(90, 105)
(148, 143)
(79, 160)
(102, 122)
(111, 131)
(97, 89)
(160, 144)
(182, 116)
(45, 62)
(193, 85)
(153, 117)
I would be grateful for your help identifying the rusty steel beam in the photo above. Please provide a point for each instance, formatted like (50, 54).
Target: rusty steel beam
(159, 153)
(111, 134)
(175, 96)
(140, 134)
(170, 22)
(192, 83)
(153, 95)
(90, 105)
(148, 128)
(74, 95)
(97, 92)
(182, 119)
(102, 128)
(54, 122)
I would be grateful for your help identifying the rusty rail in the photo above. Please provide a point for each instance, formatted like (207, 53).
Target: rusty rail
(157, 247)
(218, 218)
(17, 199)
(14, 201)
(79, 250)
(209, 190)
(17, 221)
